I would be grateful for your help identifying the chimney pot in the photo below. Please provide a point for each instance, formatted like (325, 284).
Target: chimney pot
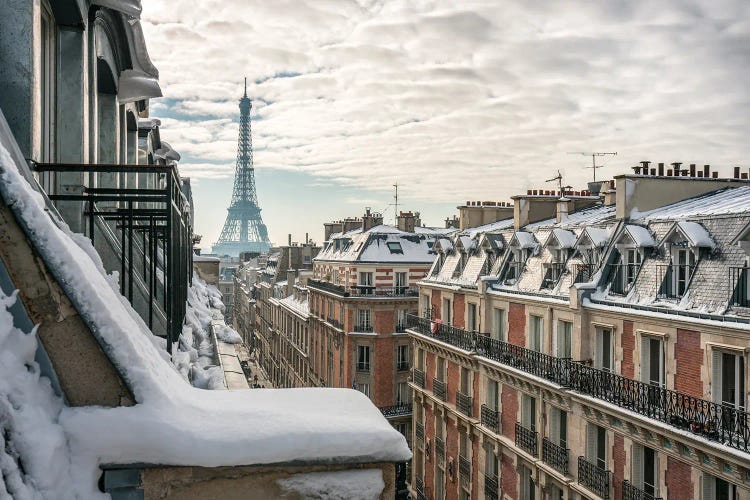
(715, 175)
(736, 172)
(744, 175)
(692, 170)
(706, 170)
(661, 169)
(653, 171)
(645, 164)
(700, 174)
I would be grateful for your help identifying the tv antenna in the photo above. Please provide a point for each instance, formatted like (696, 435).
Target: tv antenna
(593, 156)
(560, 187)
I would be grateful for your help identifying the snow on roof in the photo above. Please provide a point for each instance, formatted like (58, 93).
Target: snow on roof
(495, 241)
(467, 242)
(168, 425)
(523, 239)
(640, 235)
(598, 236)
(444, 245)
(725, 201)
(695, 233)
(203, 258)
(590, 215)
(492, 226)
(564, 237)
(380, 244)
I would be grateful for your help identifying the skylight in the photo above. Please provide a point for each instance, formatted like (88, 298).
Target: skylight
(395, 247)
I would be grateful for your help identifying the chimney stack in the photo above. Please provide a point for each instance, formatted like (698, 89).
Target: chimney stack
(661, 169)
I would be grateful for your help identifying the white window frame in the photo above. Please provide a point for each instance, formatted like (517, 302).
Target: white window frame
(599, 348)
(718, 358)
(498, 324)
(366, 350)
(472, 316)
(646, 359)
(536, 333)
(563, 347)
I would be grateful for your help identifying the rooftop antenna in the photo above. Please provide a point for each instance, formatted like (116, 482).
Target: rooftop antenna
(560, 187)
(395, 197)
(593, 156)
(245, 87)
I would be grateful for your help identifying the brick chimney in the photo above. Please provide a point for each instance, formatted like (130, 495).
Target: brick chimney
(406, 221)
(291, 275)
(371, 219)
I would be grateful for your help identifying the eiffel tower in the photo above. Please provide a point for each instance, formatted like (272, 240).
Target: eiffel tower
(244, 230)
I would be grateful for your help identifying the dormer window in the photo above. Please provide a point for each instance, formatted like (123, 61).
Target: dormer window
(632, 245)
(684, 242)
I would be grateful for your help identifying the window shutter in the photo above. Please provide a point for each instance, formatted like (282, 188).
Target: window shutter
(554, 426)
(716, 386)
(645, 360)
(598, 348)
(707, 485)
(637, 474)
(591, 443)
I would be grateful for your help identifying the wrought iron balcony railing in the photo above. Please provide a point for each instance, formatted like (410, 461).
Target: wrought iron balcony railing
(419, 431)
(490, 487)
(397, 410)
(402, 366)
(152, 225)
(673, 280)
(490, 418)
(555, 455)
(632, 492)
(419, 488)
(439, 448)
(622, 277)
(552, 273)
(400, 327)
(593, 478)
(363, 291)
(583, 273)
(438, 387)
(364, 328)
(464, 468)
(418, 378)
(327, 286)
(739, 282)
(710, 420)
(464, 403)
(363, 367)
(527, 440)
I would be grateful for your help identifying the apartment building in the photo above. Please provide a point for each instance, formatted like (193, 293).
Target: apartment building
(590, 346)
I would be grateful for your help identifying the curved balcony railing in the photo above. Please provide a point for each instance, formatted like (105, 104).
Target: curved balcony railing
(490, 487)
(632, 492)
(713, 421)
(490, 418)
(418, 378)
(464, 403)
(593, 478)
(394, 411)
(555, 455)
(438, 387)
(527, 440)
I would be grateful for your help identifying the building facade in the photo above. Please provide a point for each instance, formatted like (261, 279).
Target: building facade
(590, 346)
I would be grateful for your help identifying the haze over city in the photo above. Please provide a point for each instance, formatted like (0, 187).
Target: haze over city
(351, 97)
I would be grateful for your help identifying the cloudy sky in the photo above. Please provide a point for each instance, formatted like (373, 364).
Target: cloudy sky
(454, 100)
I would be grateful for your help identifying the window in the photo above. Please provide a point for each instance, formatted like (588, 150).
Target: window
(558, 427)
(491, 467)
(528, 488)
(403, 393)
(402, 357)
(498, 324)
(564, 339)
(395, 247)
(471, 317)
(400, 282)
(728, 379)
(596, 446)
(466, 381)
(683, 263)
(420, 359)
(48, 82)
(536, 325)
(365, 283)
(528, 412)
(440, 369)
(717, 489)
(364, 320)
(632, 264)
(652, 361)
(645, 469)
(446, 315)
(492, 394)
(401, 320)
(363, 358)
(364, 389)
(426, 304)
(604, 350)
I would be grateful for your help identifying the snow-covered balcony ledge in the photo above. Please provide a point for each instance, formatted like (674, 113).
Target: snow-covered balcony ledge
(172, 425)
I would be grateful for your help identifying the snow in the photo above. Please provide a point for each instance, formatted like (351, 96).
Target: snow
(168, 425)
(598, 236)
(467, 242)
(135, 85)
(564, 237)
(523, 239)
(372, 246)
(721, 202)
(364, 484)
(697, 234)
(203, 258)
(640, 235)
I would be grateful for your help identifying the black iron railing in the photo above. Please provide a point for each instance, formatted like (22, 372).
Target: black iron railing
(632, 492)
(739, 282)
(397, 410)
(583, 273)
(490, 487)
(336, 323)
(622, 277)
(464, 403)
(419, 488)
(673, 280)
(419, 431)
(400, 327)
(490, 418)
(512, 272)
(326, 286)
(439, 448)
(438, 387)
(593, 478)
(364, 328)
(402, 366)
(152, 225)
(464, 468)
(383, 291)
(555, 455)
(418, 378)
(527, 440)
(710, 420)
(552, 273)
(363, 366)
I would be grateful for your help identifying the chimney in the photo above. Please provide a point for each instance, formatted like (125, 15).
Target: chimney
(661, 169)
(291, 274)
(563, 208)
(371, 219)
(307, 238)
(706, 170)
(290, 240)
(736, 172)
(692, 170)
(406, 221)
(610, 194)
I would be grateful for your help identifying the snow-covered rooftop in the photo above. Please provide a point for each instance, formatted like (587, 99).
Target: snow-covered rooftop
(381, 244)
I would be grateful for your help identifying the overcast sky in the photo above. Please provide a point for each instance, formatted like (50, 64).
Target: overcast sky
(454, 100)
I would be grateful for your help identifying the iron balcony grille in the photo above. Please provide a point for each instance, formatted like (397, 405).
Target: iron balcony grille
(632, 492)
(326, 286)
(418, 378)
(336, 323)
(383, 291)
(419, 488)
(555, 455)
(552, 274)
(153, 227)
(512, 272)
(439, 448)
(464, 403)
(490, 487)
(622, 277)
(490, 419)
(363, 367)
(397, 410)
(673, 280)
(438, 387)
(710, 420)
(402, 366)
(419, 431)
(526, 439)
(364, 328)
(593, 478)
(583, 273)
(739, 280)
(400, 327)
(464, 468)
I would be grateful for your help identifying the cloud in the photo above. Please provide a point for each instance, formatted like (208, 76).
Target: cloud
(453, 100)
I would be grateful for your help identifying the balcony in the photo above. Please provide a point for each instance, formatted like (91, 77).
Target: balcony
(400, 328)
(739, 281)
(363, 367)
(363, 291)
(335, 323)
(709, 420)
(439, 449)
(418, 378)
(593, 478)
(527, 440)
(490, 487)
(632, 492)
(397, 410)
(555, 456)
(490, 418)
(402, 366)
(673, 280)
(419, 431)
(363, 328)
(464, 403)
(552, 273)
(464, 469)
(419, 488)
(438, 387)
(622, 277)
(583, 273)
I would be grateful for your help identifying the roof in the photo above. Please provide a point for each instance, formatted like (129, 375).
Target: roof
(523, 239)
(640, 235)
(386, 244)
(694, 232)
(726, 201)
(564, 237)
